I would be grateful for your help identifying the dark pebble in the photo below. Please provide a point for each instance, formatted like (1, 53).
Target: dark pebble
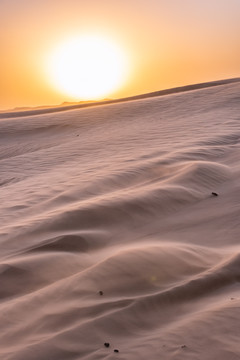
(214, 194)
(183, 346)
(106, 345)
(100, 293)
(116, 350)
(77, 135)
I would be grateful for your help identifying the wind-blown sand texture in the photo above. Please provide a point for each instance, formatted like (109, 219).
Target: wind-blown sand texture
(118, 199)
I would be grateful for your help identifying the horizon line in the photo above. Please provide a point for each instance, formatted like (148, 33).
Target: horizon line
(90, 103)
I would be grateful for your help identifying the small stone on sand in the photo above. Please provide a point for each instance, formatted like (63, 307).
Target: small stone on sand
(214, 194)
(116, 350)
(100, 293)
(106, 345)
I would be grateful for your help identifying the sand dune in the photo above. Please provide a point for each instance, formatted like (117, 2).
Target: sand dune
(110, 232)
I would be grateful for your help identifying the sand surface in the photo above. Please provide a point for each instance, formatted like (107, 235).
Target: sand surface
(110, 232)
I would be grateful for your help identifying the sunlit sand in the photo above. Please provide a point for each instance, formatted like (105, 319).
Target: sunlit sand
(113, 244)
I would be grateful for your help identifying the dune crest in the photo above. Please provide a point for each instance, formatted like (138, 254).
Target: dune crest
(17, 112)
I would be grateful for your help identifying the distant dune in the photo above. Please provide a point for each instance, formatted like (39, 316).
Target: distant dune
(33, 108)
(77, 105)
(119, 228)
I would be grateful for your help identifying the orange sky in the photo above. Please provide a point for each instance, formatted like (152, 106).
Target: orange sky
(168, 42)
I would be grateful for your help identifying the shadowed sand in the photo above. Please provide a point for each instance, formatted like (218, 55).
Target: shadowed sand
(110, 232)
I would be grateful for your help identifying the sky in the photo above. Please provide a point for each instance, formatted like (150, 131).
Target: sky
(167, 43)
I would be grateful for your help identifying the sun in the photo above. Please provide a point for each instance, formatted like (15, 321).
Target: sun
(87, 67)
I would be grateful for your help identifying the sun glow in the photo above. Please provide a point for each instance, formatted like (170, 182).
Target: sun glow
(87, 67)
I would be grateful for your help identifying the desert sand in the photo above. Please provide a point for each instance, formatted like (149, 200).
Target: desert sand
(110, 232)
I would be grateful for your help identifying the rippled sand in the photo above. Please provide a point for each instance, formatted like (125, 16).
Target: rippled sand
(110, 231)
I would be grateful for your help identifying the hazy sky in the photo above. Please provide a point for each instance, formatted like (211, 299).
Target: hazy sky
(168, 42)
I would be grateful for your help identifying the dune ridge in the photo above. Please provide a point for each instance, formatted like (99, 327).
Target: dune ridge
(110, 232)
(45, 110)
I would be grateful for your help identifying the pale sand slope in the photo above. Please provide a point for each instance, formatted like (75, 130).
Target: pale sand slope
(118, 199)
